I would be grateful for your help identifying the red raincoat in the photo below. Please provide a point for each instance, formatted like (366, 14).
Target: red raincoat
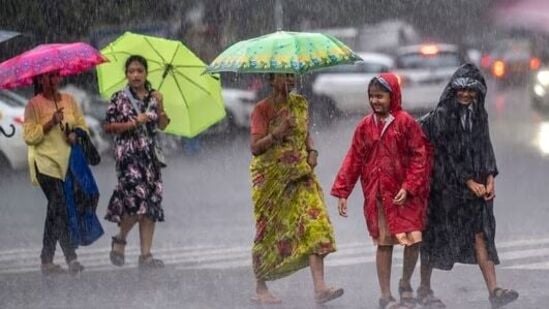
(397, 158)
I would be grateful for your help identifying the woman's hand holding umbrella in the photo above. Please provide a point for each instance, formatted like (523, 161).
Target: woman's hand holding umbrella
(56, 118)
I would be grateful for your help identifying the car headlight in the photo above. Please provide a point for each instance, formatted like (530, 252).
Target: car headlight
(543, 77)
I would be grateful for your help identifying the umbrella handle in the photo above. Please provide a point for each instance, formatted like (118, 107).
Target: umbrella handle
(8, 134)
(57, 110)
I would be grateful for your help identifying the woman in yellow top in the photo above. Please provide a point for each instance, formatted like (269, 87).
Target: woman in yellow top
(48, 115)
(293, 229)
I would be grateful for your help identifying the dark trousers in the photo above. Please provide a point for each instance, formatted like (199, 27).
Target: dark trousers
(55, 227)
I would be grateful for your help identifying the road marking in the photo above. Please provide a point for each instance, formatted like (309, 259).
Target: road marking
(514, 254)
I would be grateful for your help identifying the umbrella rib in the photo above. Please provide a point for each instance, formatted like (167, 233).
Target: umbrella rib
(154, 49)
(180, 91)
(168, 67)
(189, 66)
(191, 81)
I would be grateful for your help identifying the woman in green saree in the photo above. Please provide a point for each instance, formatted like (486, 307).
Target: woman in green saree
(293, 229)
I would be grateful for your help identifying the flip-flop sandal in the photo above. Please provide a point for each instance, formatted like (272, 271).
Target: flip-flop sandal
(267, 299)
(408, 301)
(501, 297)
(426, 298)
(327, 295)
(52, 269)
(390, 303)
(117, 258)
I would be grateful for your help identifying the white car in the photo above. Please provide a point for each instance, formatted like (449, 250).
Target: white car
(424, 71)
(13, 150)
(343, 88)
(239, 104)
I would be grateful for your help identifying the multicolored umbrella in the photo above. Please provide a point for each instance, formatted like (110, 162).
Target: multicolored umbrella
(68, 59)
(284, 52)
(192, 100)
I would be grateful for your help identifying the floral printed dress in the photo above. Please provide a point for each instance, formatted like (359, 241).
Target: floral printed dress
(139, 188)
(291, 218)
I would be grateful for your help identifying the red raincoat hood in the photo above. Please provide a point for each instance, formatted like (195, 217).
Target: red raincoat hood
(396, 98)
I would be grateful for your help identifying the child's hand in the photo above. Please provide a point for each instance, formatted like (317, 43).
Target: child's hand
(401, 197)
(478, 189)
(342, 207)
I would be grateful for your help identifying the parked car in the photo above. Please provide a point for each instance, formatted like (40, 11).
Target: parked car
(13, 151)
(239, 104)
(342, 89)
(424, 70)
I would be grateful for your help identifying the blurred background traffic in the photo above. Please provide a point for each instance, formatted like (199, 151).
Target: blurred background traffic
(423, 42)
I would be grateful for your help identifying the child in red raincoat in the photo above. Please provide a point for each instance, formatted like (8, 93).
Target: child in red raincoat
(389, 153)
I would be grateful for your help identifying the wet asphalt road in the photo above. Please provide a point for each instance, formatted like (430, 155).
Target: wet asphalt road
(207, 235)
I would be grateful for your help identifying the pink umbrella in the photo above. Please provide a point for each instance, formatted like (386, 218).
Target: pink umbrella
(68, 59)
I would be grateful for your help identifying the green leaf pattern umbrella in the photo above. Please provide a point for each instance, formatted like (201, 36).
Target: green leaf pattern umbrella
(284, 52)
(192, 99)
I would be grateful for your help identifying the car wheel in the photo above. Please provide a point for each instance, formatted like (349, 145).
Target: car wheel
(322, 112)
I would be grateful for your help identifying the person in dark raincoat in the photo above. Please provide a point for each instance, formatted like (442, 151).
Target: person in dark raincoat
(460, 217)
(389, 153)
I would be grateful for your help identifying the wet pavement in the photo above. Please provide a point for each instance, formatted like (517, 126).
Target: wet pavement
(207, 235)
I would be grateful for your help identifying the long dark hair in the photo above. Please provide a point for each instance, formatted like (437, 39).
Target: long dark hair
(38, 88)
(143, 62)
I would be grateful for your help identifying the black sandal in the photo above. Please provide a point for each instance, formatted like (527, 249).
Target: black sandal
(390, 303)
(148, 262)
(52, 269)
(117, 258)
(75, 267)
(426, 298)
(501, 297)
(408, 301)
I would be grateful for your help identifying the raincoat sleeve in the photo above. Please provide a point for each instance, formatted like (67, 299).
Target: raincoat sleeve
(490, 164)
(416, 175)
(352, 164)
(33, 131)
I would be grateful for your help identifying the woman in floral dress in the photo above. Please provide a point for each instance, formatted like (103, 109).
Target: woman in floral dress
(293, 229)
(133, 116)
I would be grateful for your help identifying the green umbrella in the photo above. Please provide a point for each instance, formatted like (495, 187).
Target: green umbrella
(192, 99)
(284, 52)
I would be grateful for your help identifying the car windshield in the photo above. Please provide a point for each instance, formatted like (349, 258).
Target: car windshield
(359, 67)
(7, 99)
(513, 50)
(420, 61)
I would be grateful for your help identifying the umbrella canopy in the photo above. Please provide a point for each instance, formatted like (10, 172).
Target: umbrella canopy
(192, 100)
(284, 52)
(68, 59)
(525, 14)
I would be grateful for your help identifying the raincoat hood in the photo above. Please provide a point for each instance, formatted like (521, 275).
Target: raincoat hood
(466, 76)
(390, 82)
